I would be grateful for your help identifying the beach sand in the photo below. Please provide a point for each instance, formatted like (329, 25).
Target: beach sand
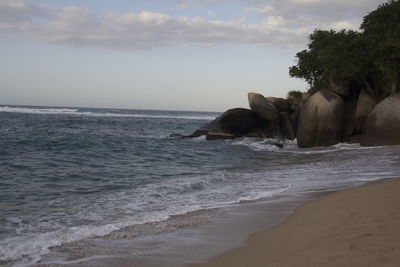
(356, 227)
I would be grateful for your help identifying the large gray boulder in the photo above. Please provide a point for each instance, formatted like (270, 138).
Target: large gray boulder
(240, 120)
(282, 105)
(235, 123)
(321, 120)
(263, 108)
(382, 127)
(365, 104)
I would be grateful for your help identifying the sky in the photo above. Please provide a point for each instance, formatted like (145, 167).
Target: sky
(203, 55)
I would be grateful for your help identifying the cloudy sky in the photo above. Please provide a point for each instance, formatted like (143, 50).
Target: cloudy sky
(159, 54)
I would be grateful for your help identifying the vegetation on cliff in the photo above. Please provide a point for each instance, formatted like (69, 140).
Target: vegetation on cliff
(368, 59)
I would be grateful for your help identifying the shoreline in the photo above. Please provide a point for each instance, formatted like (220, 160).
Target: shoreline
(227, 230)
(351, 227)
(192, 237)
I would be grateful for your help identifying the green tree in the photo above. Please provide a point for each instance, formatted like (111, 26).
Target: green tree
(330, 55)
(381, 31)
(370, 58)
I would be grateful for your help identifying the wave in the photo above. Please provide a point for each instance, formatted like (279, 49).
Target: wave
(291, 146)
(29, 249)
(77, 112)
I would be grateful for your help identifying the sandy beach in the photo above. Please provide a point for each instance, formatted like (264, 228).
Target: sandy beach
(356, 227)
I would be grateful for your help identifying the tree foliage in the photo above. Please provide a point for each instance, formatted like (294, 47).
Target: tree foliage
(369, 58)
(381, 30)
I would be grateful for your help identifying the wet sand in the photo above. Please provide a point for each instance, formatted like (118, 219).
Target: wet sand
(356, 227)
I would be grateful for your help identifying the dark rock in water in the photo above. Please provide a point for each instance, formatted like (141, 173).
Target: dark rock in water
(341, 88)
(239, 121)
(232, 123)
(321, 120)
(365, 104)
(218, 135)
(355, 138)
(263, 108)
(382, 126)
(282, 105)
(205, 128)
(287, 126)
(274, 144)
(255, 133)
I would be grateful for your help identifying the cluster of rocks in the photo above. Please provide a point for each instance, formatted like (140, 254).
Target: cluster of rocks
(269, 117)
(341, 114)
(332, 115)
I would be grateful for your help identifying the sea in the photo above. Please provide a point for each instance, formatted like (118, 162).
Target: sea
(73, 180)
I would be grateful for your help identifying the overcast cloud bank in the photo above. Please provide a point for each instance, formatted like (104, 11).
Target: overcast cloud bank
(284, 23)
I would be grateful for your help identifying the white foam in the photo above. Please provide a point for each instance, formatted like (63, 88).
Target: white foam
(290, 146)
(257, 144)
(38, 110)
(28, 249)
(76, 112)
(259, 194)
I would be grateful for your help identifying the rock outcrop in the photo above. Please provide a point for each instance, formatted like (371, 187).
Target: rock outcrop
(263, 108)
(282, 105)
(365, 104)
(321, 120)
(382, 126)
(205, 128)
(326, 118)
(287, 126)
(239, 121)
(232, 123)
(218, 134)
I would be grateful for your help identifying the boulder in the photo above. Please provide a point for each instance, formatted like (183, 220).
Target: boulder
(341, 88)
(263, 108)
(287, 126)
(232, 123)
(365, 105)
(277, 144)
(382, 126)
(321, 120)
(282, 105)
(219, 134)
(239, 121)
(255, 133)
(205, 128)
(272, 130)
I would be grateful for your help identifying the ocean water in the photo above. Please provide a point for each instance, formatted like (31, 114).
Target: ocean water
(69, 174)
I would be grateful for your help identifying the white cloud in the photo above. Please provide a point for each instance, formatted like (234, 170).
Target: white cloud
(286, 23)
(307, 15)
(12, 11)
(81, 27)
